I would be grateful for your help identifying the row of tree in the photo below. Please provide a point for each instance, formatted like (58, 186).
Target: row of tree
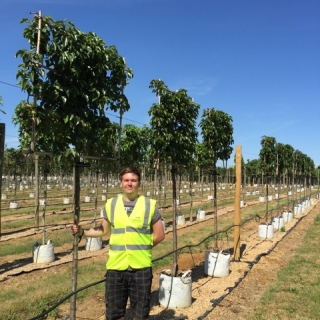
(282, 164)
(278, 161)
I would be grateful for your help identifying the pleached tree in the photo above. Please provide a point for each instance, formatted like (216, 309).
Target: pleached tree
(73, 78)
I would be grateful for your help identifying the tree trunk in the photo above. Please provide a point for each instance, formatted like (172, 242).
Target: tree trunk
(191, 194)
(76, 188)
(174, 270)
(215, 205)
(36, 178)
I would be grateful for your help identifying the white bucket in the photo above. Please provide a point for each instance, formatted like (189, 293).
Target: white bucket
(31, 194)
(217, 264)
(87, 199)
(201, 215)
(241, 203)
(181, 220)
(43, 253)
(43, 202)
(175, 292)
(4, 196)
(277, 223)
(265, 231)
(269, 198)
(148, 193)
(93, 244)
(103, 197)
(261, 199)
(66, 200)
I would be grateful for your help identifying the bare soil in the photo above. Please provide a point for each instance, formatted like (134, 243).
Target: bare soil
(231, 297)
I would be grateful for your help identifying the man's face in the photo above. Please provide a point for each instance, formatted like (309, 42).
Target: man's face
(130, 183)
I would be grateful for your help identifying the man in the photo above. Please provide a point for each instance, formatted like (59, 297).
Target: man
(136, 226)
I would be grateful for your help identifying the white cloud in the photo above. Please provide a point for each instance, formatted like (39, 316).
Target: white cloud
(196, 87)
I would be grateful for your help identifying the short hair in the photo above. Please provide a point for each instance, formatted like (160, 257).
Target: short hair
(132, 170)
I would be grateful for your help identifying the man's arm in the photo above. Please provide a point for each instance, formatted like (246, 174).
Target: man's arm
(95, 232)
(158, 232)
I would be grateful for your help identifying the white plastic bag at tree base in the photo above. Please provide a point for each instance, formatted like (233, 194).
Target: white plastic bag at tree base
(14, 205)
(66, 200)
(217, 264)
(180, 220)
(164, 224)
(175, 292)
(265, 231)
(278, 223)
(43, 253)
(287, 216)
(93, 244)
(201, 214)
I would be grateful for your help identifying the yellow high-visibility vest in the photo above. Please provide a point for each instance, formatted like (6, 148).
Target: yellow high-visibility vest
(131, 237)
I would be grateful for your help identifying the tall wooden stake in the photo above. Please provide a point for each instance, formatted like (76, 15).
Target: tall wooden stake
(2, 135)
(237, 206)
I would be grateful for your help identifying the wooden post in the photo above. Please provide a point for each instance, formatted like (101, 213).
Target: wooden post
(237, 206)
(2, 139)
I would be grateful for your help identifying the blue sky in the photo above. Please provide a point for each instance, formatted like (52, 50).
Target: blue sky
(256, 60)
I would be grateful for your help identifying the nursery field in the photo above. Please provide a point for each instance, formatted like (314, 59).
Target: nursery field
(28, 288)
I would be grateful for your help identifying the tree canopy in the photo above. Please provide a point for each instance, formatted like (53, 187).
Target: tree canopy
(74, 77)
(173, 124)
(217, 134)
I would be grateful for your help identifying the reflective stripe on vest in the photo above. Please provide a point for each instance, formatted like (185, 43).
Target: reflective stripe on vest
(130, 247)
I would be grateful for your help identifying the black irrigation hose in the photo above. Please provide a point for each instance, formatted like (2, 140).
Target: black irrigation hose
(46, 312)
